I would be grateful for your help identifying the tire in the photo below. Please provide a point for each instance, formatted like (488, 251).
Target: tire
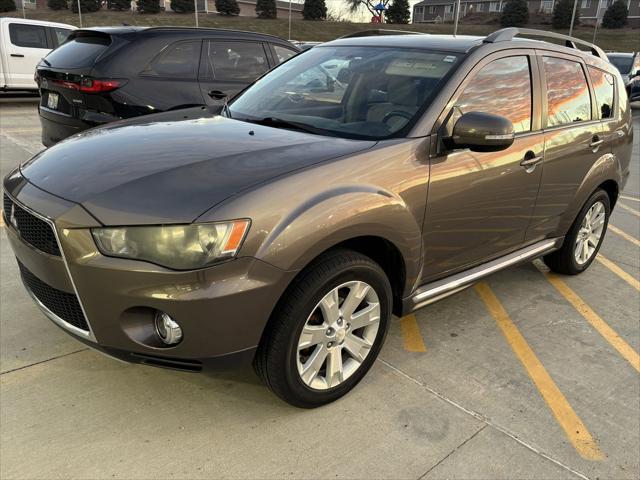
(280, 361)
(565, 260)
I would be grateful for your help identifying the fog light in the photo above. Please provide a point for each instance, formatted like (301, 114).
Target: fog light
(167, 329)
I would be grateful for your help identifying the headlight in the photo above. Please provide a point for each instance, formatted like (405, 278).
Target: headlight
(181, 247)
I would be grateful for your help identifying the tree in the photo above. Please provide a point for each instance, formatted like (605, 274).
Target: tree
(182, 6)
(227, 7)
(266, 9)
(562, 13)
(7, 5)
(118, 5)
(57, 4)
(148, 6)
(616, 16)
(515, 14)
(314, 10)
(398, 12)
(86, 5)
(355, 5)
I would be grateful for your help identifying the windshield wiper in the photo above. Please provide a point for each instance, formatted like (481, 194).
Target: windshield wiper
(281, 123)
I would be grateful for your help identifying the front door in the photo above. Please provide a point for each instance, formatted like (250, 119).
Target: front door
(480, 204)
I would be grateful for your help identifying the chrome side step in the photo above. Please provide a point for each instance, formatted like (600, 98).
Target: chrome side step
(432, 292)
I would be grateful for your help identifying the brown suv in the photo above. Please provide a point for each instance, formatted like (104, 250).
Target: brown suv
(368, 176)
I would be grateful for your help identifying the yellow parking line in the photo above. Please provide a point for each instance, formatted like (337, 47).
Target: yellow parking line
(573, 427)
(627, 197)
(618, 271)
(609, 334)
(411, 336)
(633, 211)
(19, 130)
(624, 235)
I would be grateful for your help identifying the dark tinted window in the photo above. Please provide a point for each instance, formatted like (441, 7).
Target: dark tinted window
(603, 87)
(60, 35)
(623, 64)
(503, 87)
(179, 60)
(32, 36)
(234, 61)
(567, 92)
(79, 51)
(283, 53)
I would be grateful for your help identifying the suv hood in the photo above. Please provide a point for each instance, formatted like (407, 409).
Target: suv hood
(171, 172)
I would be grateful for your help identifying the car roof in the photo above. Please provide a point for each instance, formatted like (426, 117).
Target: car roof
(459, 43)
(186, 31)
(35, 22)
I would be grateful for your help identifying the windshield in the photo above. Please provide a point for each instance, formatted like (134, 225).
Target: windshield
(622, 63)
(350, 92)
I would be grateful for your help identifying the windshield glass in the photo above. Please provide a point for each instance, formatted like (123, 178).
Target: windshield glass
(622, 63)
(350, 92)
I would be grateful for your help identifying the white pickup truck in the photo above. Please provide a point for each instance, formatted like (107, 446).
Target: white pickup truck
(23, 43)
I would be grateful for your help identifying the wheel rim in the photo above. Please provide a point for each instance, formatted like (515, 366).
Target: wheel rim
(590, 233)
(338, 335)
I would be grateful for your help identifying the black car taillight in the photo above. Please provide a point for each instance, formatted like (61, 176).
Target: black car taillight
(92, 85)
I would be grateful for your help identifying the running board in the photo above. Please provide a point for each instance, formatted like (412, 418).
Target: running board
(432, 292)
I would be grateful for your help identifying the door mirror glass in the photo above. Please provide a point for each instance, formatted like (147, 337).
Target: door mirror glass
(482, 132)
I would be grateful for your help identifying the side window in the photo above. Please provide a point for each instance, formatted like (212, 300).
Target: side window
(568, 99)
(603, 87)
(503, 87)
(60, 35)
(179, 60)
(283, 53)
(31, 36)
(233, 61)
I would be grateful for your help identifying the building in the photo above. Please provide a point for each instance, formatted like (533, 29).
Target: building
(248, 8)
(438, 11)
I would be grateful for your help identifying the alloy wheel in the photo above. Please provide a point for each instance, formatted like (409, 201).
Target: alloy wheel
(590, 233)
(338, 335)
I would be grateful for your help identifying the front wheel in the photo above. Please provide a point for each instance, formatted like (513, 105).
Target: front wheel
(327, 330)
(585, 237)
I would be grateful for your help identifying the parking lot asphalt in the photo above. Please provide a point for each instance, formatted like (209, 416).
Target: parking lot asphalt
(526, 375)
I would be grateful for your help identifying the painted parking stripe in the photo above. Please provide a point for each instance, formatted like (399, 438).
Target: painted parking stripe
(627, 197)
(624, 235)
(575, 430)
(411, 336)
(618, 271)
(609, 334)
(633, 211)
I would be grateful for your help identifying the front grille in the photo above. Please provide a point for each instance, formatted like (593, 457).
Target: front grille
(64, 305)
(33, 230)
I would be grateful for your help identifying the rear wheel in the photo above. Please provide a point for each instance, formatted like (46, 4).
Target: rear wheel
(585, 237)
(327, 331)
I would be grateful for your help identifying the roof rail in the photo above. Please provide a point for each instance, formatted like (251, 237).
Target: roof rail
(507, 34)
(380, 31)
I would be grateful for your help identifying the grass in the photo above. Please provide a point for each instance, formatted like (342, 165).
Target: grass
(619, 40)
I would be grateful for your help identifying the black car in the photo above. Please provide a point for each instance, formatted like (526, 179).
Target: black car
(104, 74)
(629, 66)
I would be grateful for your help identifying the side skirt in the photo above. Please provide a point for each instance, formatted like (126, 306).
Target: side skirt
(434, 291)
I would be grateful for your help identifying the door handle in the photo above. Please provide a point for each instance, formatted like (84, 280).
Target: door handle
(19, 55)
(595, 143)
(530, 161)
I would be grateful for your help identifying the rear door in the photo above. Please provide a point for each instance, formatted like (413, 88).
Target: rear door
(573, 136)
(26, 46)
(229, 66)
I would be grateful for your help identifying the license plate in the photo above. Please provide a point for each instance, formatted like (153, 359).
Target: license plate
(52, 101)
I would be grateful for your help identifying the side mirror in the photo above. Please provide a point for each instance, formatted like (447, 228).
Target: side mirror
(637, 74)
(482, 132)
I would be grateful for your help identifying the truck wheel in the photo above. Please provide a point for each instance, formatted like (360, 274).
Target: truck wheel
(327, 330)
(583, 241)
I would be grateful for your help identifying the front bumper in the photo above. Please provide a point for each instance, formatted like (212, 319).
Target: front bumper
(222, 310)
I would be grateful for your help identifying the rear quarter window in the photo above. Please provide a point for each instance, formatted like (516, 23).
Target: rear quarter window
(82, 51)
